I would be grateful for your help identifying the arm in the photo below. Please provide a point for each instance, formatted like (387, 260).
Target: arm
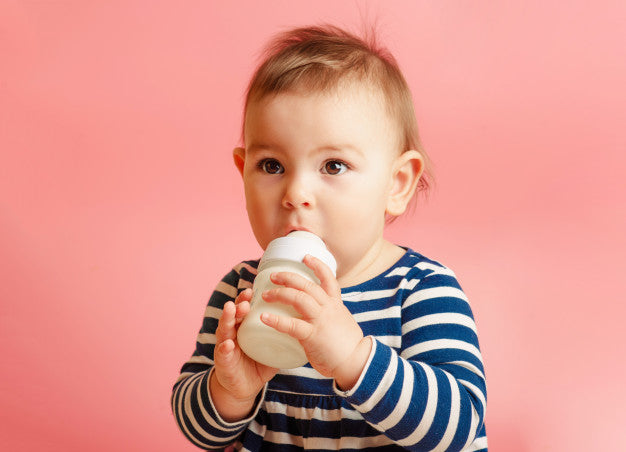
(219, 390)
(432, 395)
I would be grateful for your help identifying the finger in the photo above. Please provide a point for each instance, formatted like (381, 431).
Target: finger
(225, 353)
(244, 295)
(296, 328)
(302, 302)
(226, 324)
(242, 303)
(328, 281)
(298, 282)
(242, 310)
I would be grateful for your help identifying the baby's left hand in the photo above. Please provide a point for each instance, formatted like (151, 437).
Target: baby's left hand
(329, 334)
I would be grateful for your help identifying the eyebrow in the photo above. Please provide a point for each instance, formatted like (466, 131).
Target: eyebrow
(339, 148)
(257, 147)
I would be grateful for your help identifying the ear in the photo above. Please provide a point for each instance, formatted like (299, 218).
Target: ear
(239, 156)
(407, 171)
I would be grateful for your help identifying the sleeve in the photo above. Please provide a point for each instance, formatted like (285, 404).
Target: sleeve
(192, 405)
(432, 394)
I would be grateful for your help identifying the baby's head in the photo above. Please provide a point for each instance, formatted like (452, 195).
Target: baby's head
(325, 59)
(330, 143)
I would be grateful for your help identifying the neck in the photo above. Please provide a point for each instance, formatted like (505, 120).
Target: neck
(378, 259)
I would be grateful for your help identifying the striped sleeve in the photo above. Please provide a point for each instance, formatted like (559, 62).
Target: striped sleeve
(430, 394)
(191, 401)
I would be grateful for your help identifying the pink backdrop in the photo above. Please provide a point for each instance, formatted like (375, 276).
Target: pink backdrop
(120, 208)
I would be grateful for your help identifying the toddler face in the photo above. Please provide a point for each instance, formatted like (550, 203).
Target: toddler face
(321, 163)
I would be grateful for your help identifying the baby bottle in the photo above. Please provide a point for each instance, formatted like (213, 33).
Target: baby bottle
(259, 341)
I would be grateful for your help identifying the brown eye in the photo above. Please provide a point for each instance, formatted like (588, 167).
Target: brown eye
(271, 166)
(335, 167)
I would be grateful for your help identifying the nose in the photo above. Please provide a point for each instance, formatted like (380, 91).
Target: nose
(298, 193)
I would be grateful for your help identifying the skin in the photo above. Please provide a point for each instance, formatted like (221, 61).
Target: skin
(330, 164)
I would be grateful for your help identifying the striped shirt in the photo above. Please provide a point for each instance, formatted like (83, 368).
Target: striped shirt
(423, 387)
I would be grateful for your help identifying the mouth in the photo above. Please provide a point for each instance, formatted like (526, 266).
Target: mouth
(291, 229)
(297, 229)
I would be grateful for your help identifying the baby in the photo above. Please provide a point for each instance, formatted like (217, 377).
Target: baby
(331, 147)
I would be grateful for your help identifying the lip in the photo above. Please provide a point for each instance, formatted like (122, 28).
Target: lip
(296, 228)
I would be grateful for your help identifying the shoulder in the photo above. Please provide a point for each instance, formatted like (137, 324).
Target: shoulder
(417, 265)
(411, 273)
(432, 288)
(418, 277)
(240, 277)
(245, 270)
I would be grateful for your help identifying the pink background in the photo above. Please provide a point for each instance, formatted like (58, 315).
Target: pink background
(120, 208)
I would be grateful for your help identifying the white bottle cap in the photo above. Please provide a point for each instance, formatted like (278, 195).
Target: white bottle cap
(297, 244)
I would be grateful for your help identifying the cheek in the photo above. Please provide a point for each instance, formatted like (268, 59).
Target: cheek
(254, 191)
(259, 218)
(356, 217)
(257, 204)
(362, 200)
(258, 207)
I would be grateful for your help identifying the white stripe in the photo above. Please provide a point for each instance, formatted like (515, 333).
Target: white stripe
(212, 312)
(346, 442)
(453, 420)
(200, 359)
(471, 435)
(207, 338)
(439, 319)
(311, 413)
(307, 372)
(257, 428)
(383, 386)
(392, 341)
(392, 312)
(429, 412)
(408, 284)
(478, 444)
(477, 392)
(226, 289)
(405, 399)
(380, 294)
(440, 344)
(283, 438)
(319, 443)
(183, 376)
(437, 269)
(243, 265)
(181, 395)
(185, 401)
(469, 366)
(370, 295)
(435, 292)
(398, 271)
(235, 427)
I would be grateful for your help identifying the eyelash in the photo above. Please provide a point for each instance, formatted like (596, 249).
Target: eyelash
(262, 165)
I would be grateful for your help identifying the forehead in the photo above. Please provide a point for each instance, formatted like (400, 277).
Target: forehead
(354, 110)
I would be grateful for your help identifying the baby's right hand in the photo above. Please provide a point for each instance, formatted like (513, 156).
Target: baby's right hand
(237, 379)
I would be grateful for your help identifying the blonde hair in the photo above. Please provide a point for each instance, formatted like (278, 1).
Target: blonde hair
(320, 58)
